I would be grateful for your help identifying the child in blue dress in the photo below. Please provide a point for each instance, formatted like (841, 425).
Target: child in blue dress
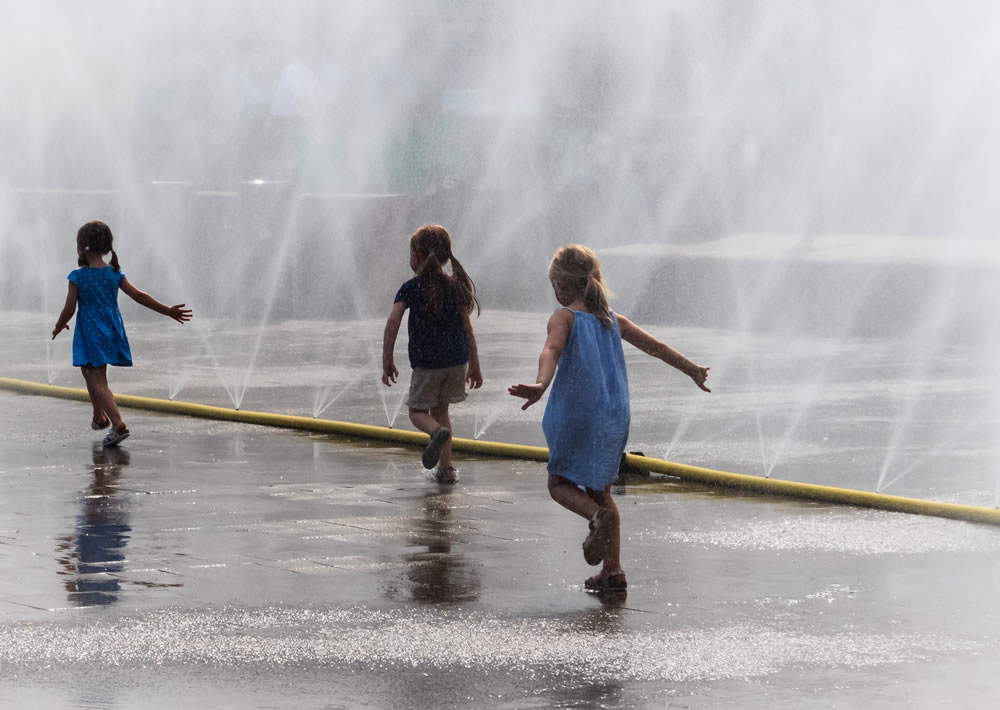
(99, 338)
(586, 420)
(442, 345)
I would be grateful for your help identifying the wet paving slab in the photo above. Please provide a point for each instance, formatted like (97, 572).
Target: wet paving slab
(209, 564)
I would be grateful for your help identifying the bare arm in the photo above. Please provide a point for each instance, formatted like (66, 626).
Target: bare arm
(631, 333)
(178, 312)
(474, 376)
(559, 327)
(389, 371)
(68, 310)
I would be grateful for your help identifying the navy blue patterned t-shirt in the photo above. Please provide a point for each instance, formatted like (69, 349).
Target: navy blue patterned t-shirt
(435, 341)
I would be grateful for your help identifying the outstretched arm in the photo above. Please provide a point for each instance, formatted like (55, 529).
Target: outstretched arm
(474, 375)
(179, 313)
(389, 371)
(559, 327)
(631, 333)
(68, 310)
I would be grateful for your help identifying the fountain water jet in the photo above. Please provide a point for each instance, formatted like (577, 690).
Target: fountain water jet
(679, 139)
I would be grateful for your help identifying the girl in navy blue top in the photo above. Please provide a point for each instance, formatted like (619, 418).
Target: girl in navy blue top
(99, 338)
(442, 345)
(586, 420)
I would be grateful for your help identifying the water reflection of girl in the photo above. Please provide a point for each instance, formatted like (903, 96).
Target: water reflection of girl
(434, 573)
(93, 556)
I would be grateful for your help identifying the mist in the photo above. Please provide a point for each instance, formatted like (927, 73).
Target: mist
(803, 186)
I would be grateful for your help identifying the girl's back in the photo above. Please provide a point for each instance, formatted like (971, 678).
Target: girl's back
(436, 331)
(98, 288)
(99, 337)
(587, 417)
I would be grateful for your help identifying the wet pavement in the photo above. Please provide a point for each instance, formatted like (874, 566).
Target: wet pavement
(209, 564)
(218, 565)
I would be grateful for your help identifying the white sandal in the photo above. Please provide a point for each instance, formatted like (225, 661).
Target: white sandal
(115, 437)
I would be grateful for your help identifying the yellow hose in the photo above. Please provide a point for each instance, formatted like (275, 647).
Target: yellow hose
(755, 484)
(812, 491)
(286, 421)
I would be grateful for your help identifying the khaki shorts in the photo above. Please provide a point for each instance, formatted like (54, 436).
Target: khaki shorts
(431, 387)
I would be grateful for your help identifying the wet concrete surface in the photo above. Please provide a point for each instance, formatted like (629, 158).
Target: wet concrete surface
(216, 565)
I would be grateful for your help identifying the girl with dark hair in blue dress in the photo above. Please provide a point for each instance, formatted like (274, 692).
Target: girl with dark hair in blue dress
(99, 338)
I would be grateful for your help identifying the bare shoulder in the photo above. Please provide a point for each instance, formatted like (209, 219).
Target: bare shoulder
(562, 318)
(558, 330)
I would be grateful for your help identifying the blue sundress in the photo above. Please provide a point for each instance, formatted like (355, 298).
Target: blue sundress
(587, 416)
(99, 336)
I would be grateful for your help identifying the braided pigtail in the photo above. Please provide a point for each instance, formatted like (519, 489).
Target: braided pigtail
(432, 246)
(96, 237)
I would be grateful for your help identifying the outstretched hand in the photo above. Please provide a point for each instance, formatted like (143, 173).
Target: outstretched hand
(179, 313)
(532, 393)
(56, 331)
(699, 377)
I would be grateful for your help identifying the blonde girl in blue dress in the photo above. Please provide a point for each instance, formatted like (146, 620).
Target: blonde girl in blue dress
(586, 419)
(99, 338)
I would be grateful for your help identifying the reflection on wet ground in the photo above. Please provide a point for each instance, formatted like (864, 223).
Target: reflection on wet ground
(438, 571)
(209, 564)
(93, 556)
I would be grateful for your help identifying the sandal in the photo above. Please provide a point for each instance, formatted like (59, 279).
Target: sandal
(606, 582)
(115, 437)
(97, 426)
(433, 451)
(448, 474)
(597, 539)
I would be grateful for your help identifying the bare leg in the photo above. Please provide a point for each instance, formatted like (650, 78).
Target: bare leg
(586, 504)
(430, 422)
(423, 421)
(612, 553)
(99, 416)
(569, 496)
(101, 396)
(442, 417)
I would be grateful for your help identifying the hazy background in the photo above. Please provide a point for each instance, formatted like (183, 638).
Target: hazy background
(519, 125)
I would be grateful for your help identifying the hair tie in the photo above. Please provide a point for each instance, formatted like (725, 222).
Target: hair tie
(590, 276)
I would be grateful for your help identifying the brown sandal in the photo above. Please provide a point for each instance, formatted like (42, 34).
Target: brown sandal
(606, 582)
